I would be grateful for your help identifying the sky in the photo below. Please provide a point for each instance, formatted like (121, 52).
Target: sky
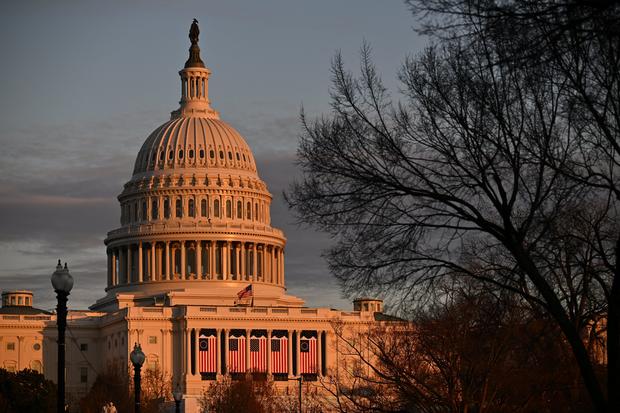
(83, 83)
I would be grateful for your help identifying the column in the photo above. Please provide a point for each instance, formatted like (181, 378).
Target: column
(153, 269)
(196, 349)
(212, 260)
(254, 262)
(218, 341)
(268, 352)
(290, 352)
(140, 259)
(226, 334)
(228, 260)
(224, 260)
(129, 280)
(182, 260)
(319, 352)
(298, 341)
(198, 260)
(188, 348)
(114, 263)
(282, 266)
(243, 261)
(167, 260)
(237, 268)
(247, 350)
(109, 268)
(264, 263)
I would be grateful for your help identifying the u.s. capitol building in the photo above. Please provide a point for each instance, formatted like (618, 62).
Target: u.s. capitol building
(195, 272)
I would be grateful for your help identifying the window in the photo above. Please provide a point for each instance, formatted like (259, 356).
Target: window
(221, 154)
(19, 301)
(239, 210)
(36, 346)
(237, 155)
(84, 347)
(202, 153)
(27, 300)
(144, 215)
(230, 155)
(10, 346)
(216, 208)
(248, 211)
(190, 208)
(179, 208)
(228, 209)
(181, 154)
(211, 154)
(135, 212)
(171, 155)
(256, 211)
(154, 211)
(161, 156)
(191, 154)
(152, 339)
(203, 208)
(166, 208)
(83, 374)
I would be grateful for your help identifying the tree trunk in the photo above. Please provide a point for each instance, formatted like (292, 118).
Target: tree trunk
(613, 338)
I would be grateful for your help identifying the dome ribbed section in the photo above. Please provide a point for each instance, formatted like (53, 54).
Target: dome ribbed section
(194, 142)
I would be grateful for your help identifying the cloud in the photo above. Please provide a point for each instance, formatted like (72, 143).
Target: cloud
(57, 199)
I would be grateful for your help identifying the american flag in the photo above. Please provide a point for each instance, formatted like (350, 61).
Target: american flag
(236, 354)
(207, 353)
(279, 355)
(258, 354)
(245, 293)
(307, 355)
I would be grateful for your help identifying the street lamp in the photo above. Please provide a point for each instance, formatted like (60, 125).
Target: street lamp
(178, 396)
(137, 359)
(62, 282)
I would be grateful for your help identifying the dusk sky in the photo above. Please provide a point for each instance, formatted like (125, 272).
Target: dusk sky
(83, 84)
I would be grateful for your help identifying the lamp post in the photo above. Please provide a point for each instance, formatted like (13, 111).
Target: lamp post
(137, 359)
(178, 396)
(62, 282)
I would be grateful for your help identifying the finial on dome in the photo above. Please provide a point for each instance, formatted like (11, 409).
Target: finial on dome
(194, 51)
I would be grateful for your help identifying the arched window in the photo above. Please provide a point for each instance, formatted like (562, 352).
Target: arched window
(154, 209)
(216, 208)
(203, 208)
(135, 212)
(256, 212)
(179, 208)
(248, 211)
(144, 215)
(190, 208)
(167, 208)
(239, 210)
(228, 209)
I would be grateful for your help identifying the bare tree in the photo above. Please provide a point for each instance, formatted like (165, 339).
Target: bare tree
(474, 351)
(470, 167)
(579, 41)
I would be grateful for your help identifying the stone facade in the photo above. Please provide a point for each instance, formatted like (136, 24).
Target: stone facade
(195, 230)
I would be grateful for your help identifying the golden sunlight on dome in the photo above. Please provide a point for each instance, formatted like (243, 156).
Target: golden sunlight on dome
(195, 215)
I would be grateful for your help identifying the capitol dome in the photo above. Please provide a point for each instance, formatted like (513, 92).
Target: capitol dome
(195, 215)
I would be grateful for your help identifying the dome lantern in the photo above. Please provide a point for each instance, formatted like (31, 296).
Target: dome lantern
(194, 83)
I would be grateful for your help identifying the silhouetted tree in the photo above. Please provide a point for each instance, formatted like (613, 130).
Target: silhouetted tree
(116, 386)
(26, 391)
(472, 351)
(579, 43)
(466, 177)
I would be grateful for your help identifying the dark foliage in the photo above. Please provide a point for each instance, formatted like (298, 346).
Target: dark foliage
(26, 391)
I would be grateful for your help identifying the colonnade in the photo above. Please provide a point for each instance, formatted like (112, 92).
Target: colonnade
(191, 346)
(195, 260)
